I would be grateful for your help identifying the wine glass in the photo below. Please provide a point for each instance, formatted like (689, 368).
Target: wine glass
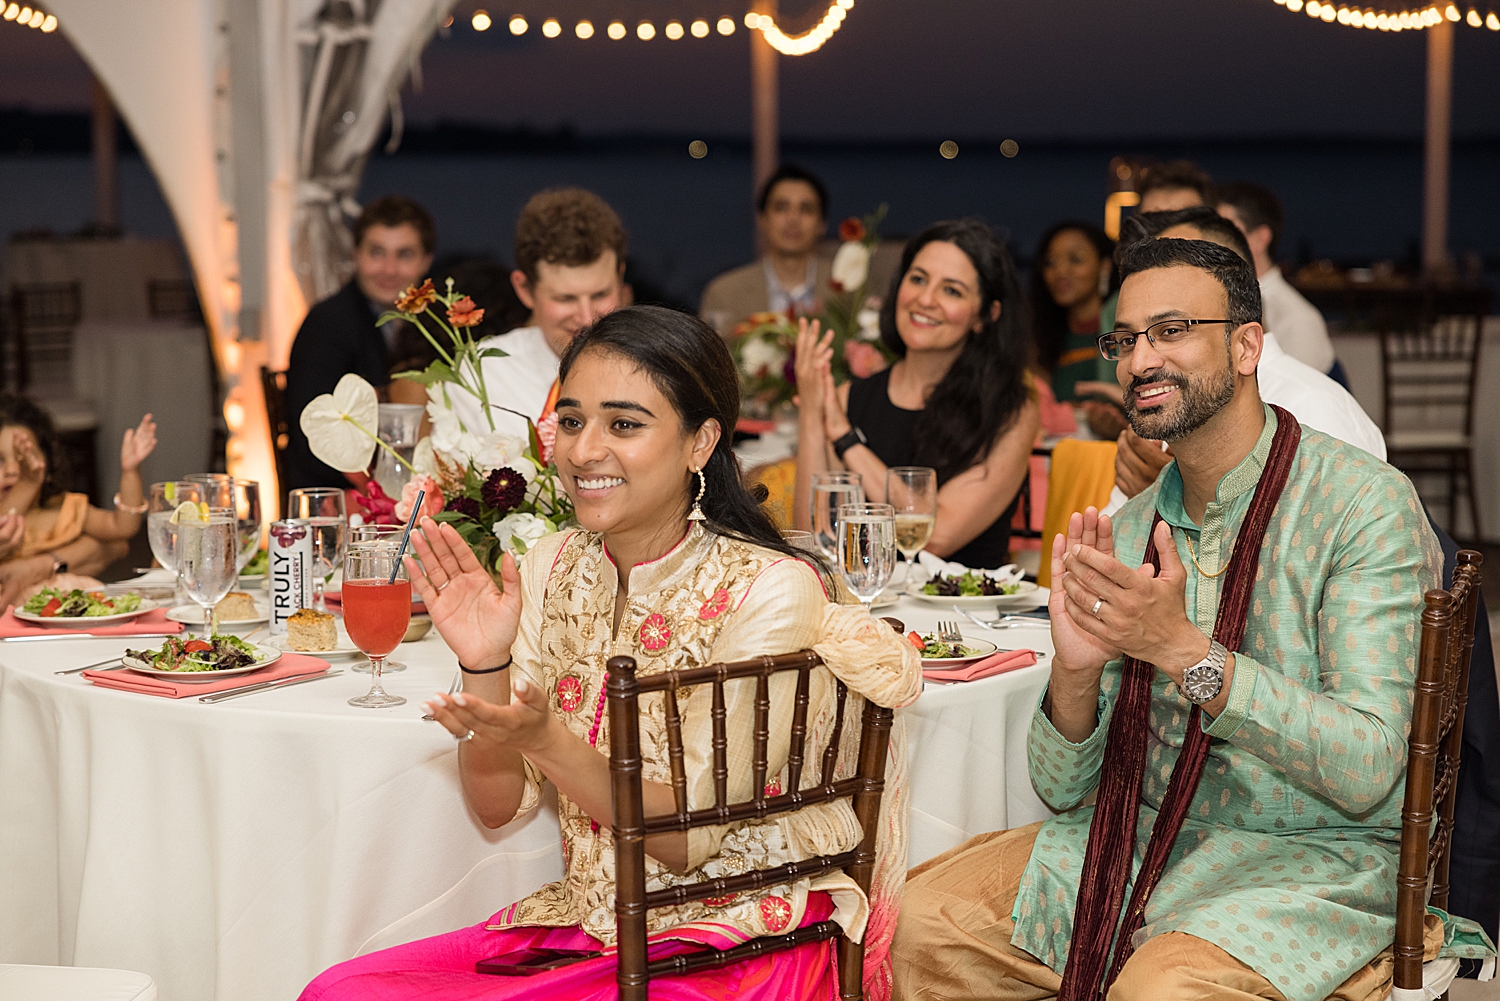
(322, 510)
(389, 535)
(160, 530)
(248, 517)
(217, 488)
(800, 539)
(377, 609)
(867, 548)
(912, 491)
(206, 559)
(830, 491)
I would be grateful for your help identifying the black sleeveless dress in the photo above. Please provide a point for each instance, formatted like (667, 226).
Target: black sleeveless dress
(891, 433)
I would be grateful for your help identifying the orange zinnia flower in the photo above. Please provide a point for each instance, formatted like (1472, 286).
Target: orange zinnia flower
(464, 313)
(851, 229)
(416, 297)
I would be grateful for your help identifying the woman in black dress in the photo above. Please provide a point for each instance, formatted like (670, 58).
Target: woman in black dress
(957, 399)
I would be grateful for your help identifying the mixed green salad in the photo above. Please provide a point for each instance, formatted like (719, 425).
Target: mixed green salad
(260, 563)
(222, 653)
(969, 585)
(53, 603)
(932, 648)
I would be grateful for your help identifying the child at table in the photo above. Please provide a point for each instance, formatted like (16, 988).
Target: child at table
(45, 530)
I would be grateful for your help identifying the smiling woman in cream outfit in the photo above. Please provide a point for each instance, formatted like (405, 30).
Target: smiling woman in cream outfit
(676, 565)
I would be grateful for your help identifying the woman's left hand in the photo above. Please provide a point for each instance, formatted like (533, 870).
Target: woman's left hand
(12, 533)
(139, 443)
(525, 725)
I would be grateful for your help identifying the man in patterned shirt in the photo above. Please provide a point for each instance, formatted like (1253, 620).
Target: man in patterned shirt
(1281, 883)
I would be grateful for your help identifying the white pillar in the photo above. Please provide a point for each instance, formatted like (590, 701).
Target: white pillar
(1435, 165)
(765, 112)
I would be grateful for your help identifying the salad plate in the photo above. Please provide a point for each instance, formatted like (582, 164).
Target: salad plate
(1023, 594)
(245, 657)
(53, 607)
(937, 655)
(192, 615)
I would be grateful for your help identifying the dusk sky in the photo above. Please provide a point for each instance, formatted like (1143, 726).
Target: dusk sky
(1067, 69)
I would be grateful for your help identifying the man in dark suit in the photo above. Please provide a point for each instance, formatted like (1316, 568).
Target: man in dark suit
(393, 243)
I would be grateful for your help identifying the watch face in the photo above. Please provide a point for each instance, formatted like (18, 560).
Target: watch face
(1201, 683)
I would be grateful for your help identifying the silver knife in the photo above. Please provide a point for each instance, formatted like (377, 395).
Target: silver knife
(87, 667)
(264, 686)
(83, 636)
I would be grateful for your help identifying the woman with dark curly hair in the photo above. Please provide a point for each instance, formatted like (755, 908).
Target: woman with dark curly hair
(958, 398)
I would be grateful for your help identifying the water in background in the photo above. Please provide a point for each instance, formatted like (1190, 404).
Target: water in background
(691, 219)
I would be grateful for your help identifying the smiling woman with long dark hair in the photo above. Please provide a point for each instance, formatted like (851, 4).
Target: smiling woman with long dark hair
(958, 398)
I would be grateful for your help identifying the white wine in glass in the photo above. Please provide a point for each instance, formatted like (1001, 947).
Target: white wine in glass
(912, 492)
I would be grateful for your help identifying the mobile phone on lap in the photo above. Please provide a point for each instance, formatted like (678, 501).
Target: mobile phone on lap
(529, 962)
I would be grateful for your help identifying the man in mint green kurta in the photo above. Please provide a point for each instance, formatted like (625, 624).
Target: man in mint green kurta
(1282, 881)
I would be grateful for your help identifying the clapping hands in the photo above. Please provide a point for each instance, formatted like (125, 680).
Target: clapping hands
(476, 620)
(817, 395)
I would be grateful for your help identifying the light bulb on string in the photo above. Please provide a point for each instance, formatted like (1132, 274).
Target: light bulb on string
(551, 28)
(673, 30)
(11, 11)
(1451, 13)
(726, 26)
(616, 30)
(699, 28)
(584, 29)
(645, 31)
(1492, 21)
(481, 20)
(518, 25)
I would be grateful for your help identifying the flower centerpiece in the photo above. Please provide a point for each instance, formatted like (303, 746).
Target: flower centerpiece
(764, 345)
(501, 493)
(852, 313)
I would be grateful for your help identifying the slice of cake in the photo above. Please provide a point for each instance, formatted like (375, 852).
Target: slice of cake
(309, 631)
(236, 606)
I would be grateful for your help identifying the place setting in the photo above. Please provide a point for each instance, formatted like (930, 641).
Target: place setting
(949, 657)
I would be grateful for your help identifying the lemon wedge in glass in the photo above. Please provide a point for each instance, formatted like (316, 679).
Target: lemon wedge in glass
(190, 511)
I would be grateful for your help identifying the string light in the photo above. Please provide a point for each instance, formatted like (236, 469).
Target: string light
(645, 31)
(551, 28)
(699, 28)
(1413, 19)
(788, 45)
(481, 20)
(27, 16)
(726, 26)
(616, 30)
(518, 25)
(584, 29)
(673, 30)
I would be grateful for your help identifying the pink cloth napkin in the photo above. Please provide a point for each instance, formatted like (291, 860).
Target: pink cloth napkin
(154, 621)
(289, 666)
(995, 663)
(335, 599)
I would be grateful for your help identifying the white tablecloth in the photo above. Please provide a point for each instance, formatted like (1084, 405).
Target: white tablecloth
(234, 851)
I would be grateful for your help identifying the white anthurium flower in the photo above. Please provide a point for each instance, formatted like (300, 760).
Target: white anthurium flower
(519, 532)
(869, 324)
(338, 425)
(760, 355)
(422, 458)
(851, 265)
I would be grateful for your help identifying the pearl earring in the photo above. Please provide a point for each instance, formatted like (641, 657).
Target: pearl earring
(698, 514)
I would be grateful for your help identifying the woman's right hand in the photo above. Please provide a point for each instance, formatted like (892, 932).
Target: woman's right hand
(814, 353)
(476, 620)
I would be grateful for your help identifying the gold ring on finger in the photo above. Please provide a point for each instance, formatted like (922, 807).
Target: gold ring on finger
(1097, 605)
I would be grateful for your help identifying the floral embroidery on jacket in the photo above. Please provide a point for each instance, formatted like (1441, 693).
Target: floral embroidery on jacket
(655, 632)
(715, 606)
(569, 693)
(776, 913)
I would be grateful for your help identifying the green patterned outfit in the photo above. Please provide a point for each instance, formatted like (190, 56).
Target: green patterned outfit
(1287, 859)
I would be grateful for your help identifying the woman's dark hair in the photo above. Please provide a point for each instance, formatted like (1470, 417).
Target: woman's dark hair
(1048, 320)
(17, 411)
(985, 387)
(689, 363)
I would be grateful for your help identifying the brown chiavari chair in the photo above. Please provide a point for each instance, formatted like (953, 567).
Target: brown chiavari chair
(1432, 766)
(273, 385)
(631, 827)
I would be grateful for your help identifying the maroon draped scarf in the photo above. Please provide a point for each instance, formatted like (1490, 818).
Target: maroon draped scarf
(1112, 833)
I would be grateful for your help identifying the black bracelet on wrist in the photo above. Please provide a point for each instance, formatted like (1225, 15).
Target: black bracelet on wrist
(488, 670)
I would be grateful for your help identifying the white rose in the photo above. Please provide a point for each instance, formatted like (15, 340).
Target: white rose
(869, 324)
(851, 265)
(762, 356)
(519, 532)
(498, 449)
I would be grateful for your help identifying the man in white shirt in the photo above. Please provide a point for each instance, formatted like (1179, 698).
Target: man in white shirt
(1296, 322)
(1312, 397)
(570, 269)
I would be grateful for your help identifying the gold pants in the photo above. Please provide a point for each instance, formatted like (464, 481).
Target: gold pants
(953, 942)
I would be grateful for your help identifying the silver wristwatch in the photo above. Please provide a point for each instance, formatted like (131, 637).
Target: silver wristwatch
(1204, 680)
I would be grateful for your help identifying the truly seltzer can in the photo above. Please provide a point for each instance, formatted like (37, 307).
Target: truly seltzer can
(291, 572)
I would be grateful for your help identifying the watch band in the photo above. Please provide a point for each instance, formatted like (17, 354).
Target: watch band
(58, 565)
(853, 437)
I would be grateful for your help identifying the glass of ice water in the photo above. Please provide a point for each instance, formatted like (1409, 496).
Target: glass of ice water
(207, 558)
(831, 491)
(160, 531)
(322, 510)
(867, 548)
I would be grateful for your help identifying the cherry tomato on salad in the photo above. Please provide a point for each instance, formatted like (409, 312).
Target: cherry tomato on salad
(196, 646)
(50, 609)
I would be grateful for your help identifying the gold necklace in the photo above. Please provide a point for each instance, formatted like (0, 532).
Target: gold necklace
(1211, 576)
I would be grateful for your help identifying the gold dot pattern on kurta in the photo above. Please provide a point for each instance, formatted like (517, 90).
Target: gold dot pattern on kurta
(1287, 859)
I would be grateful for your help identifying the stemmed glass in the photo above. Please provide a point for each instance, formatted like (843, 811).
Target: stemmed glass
(912, 491)
(867, 548)
(160, 529)
(831, 491)
(206, 552)
(389, 535)
(248, 517)
(377, 609)
(322, 510)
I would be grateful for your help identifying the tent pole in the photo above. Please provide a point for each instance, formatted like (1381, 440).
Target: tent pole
(106, 161)
(765, 113)
(248, 144)
(1435, 166)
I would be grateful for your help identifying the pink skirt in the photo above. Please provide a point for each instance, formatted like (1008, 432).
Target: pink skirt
(442, 969)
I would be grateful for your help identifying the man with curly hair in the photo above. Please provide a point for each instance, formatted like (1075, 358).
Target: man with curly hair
(570, 270)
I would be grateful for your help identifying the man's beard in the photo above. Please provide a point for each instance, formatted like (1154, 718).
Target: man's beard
(1198, 400)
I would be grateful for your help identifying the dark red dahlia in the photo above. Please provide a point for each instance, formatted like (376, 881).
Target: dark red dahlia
(466, 506)
(504, 490)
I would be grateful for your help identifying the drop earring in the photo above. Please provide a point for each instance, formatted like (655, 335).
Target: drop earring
(697, 514)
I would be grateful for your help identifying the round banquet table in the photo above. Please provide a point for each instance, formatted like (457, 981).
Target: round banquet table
(235, 850)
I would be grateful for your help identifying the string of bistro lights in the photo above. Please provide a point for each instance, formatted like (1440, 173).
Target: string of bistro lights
(31, 17)
(788, 45)
(1383, 20)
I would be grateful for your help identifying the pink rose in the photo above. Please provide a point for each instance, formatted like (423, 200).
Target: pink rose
(431, 504)
(546, 433)
(864, 359)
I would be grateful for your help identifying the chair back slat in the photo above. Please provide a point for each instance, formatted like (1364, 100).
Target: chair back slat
(1435, 744)
(799, 731)
(831, 752)
(762, 737)
(674, 753)
(721, 752)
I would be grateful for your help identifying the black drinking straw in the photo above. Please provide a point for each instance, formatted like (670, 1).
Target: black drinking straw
(416, 508)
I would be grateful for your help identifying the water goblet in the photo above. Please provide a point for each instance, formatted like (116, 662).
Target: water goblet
(867, 548)
(206, 559)
(322, 510)
(161, 529)
(830, 491)
(377, 609)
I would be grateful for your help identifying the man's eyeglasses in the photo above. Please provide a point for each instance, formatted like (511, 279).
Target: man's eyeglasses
(1118, 344)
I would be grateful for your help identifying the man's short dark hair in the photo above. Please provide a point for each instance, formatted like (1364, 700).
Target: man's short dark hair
(1229, 269)
(1148, 225)
(395, 210)
(1172, 176)
(792, 172)
(567, 226)
(1257, 206)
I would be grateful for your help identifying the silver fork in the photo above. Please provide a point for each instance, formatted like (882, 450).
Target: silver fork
(949, 632)
(458, 684)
